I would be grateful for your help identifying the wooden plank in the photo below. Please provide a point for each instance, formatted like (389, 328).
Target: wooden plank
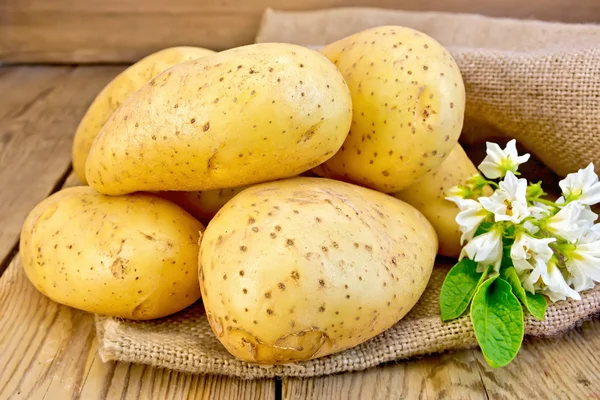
(40, 108)
(48, 351)
(448, 376)
(565, 367)
(72, 31)
(22, 87)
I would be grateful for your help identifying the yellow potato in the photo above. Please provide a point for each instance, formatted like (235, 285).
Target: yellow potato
(117, 91)
(251, 114)
(408, 103)
(428, 196)
(202, 205)
(305, 267)
(132, 256)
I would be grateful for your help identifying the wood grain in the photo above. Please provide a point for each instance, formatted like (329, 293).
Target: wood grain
(73, 31)
(565, 367)
(448, 376)
(40, 108)
(48, 351)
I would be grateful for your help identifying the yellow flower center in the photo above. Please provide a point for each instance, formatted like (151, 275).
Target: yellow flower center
(509, 208)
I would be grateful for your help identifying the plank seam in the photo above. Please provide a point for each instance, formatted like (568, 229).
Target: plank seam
(278, 388)
(487, 396)
(5, 262)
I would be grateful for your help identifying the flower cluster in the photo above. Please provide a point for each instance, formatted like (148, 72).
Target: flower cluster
(554, 246)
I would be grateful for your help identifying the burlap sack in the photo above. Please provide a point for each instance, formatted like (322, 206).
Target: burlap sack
(186, 343)
(534, 81)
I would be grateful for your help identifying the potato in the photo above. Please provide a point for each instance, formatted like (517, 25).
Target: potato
(132, 256)
(408, 103)
(305, 267)
(251, 114)
(202, 205)
(428, 197)
(117, 91)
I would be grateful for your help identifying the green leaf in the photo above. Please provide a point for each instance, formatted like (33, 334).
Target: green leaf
(459, 287)
(497, 318)
(535, 303)
(506, 260)
(507, 243)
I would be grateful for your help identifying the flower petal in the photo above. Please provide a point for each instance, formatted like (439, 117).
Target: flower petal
(591, 196)
(571, 222)
(582, 186)
(509, 202)
(490, 169)
(556, 285)
(486, 248)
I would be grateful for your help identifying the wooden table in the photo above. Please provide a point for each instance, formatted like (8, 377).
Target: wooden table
(48, 351)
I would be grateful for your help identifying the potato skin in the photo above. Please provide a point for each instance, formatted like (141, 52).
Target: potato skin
(305, 267)
(251, 114)
(132, 257)
(202, 205)
(428, 197)
(117, 91)
(408, 102)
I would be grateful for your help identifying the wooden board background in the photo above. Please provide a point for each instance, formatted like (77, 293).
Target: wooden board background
(122, 31)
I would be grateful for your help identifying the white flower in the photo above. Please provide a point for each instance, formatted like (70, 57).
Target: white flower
(470, 216)
(529, 253)
(582, 185)
(579, 280)
(509, 202)
(592, 235)
(531, 281)
(554, 284)
(530, 227)
(571, 222)
(486, 248)
(498, 161)
(557, 287)
(583, 260)
(540, 210)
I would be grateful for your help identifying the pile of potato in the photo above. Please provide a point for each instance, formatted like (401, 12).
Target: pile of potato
(289, 268)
